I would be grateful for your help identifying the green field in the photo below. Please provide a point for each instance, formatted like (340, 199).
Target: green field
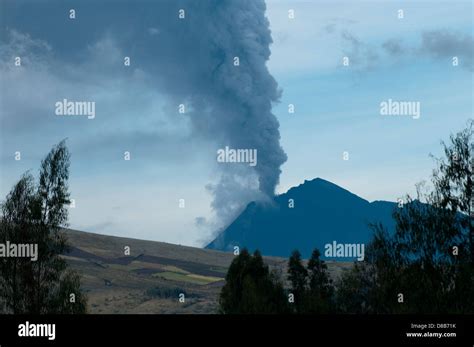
(188, 278)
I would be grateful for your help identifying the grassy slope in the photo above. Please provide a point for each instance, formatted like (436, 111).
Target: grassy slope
(116, 283)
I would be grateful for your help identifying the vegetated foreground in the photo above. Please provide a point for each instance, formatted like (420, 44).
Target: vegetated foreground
(152, 277)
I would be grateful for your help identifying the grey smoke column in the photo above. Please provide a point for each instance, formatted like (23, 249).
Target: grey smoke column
(229, 104)
(243, 94)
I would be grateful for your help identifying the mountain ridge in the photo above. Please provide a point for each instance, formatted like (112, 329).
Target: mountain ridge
(307, 216)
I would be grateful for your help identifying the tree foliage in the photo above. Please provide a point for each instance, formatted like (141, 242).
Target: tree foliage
(298, 277)
(251, 287)
(311, 286)
(426, 265)
(35, 214)
(321, 290)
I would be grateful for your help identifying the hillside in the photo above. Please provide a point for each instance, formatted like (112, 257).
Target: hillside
(150, 279)
(323, 212)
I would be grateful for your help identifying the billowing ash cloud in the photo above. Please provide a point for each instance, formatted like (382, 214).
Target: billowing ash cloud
(186, 61)
(444, 44)
(193, 61)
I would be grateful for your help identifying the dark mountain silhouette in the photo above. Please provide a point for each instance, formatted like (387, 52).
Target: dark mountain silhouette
(323, 212)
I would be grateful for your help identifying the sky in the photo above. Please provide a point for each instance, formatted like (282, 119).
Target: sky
(173, 155)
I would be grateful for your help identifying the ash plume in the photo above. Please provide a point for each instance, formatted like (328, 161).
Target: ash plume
(231, 105)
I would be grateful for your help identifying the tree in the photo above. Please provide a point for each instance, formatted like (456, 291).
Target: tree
(371, 286)
(321, 291)
(35, 214)
(425, 265)
(251, 287)
(297, 275)
(454, 178)
(14, 226)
